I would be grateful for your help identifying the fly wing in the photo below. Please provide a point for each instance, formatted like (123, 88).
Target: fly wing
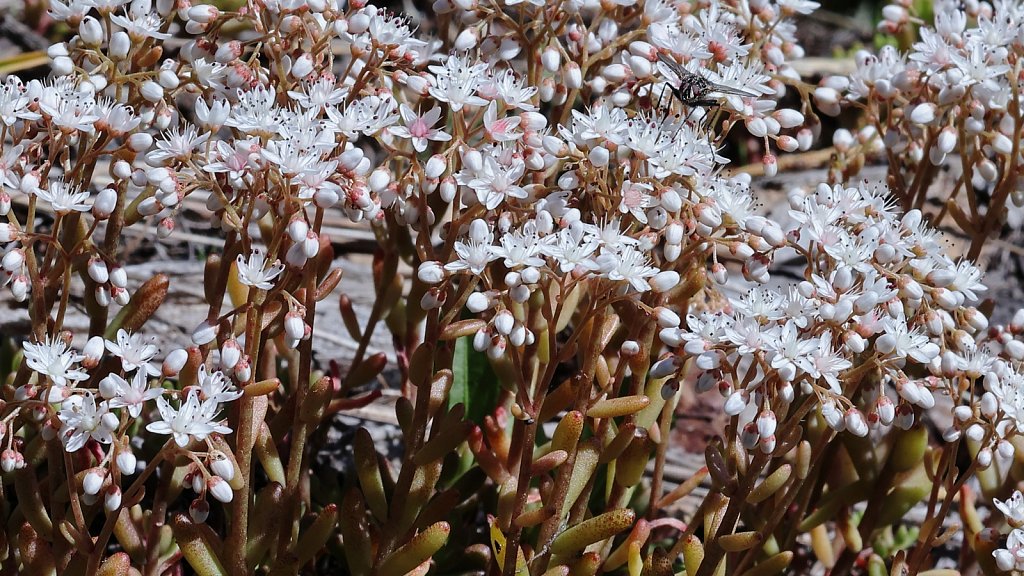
(680, 75)
(734, 91)
(674, 70)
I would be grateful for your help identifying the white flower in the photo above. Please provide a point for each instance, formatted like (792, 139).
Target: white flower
(788, 349)
(495, 182)
(521, 247)
(901, 341)
(255, 272)
(177, 144)
(475, 254)
(139, 23)
(630, 265)
(419, 128)
(457, 81)
(216, 387)
(55, 360)
(1012, 508)
(122, 394)
(825, 363)
(636, 199)
(513, 90)
(501, 129)
(64, 198)
(320, 93)
(193, 418)
(366, 116)
(81, 419)
(1011, 557)
(133, 352)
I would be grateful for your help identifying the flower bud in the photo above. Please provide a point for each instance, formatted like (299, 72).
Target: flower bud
(665, 281)
(833, 417)
(204, 333)
(199, 510)
(504, 322)
(90, 31)
(430, 272)
(573, 76)
(766, 423)
(629, 348)
(302, 67)
(736, 402)
(203, 13)
(220, 489)
(294, 325)
(152, 91)
(112, 498)
(221, 465)
(436, 166)
(551, 59)
(856, 423)
(749, 436)
(667, 318)
(93, 481)
(126, 461)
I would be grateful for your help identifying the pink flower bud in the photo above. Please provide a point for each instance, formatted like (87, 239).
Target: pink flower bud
(126, 462)
(766, 423)
(20, 287)
(11, 460)
(736, 402)
(856, 423)
(204, 333)
(112, 498)
(294, 325)
(199, 510)
(203, 13)
(93, 481)
(221, 465)
(749, 436)
(430, 272)
(771, 165)
(551, 59)
(243, 370)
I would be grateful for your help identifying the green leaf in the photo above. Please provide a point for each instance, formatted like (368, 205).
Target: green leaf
(475, 383)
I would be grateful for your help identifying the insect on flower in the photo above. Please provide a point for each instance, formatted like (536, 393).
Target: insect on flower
(692, 89)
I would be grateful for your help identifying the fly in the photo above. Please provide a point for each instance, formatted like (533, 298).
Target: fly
(694, 90)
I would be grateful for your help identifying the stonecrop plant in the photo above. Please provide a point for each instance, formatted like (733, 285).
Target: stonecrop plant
(565, 250)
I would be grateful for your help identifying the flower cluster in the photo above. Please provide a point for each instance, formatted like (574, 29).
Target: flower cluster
(554, 175)
(952, 100)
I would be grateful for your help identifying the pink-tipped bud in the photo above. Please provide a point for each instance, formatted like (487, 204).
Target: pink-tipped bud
(93, 481)
(203, 13)
(126, 462)
(221, 465)
(749, 436)
(112, 498)
(766, 423)
(93, 352)
(294, 326)
(204, 333)
(885, 409)
(856, 423)
(174, 362)
(430, 272)
(199, 510)
(230, 353)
